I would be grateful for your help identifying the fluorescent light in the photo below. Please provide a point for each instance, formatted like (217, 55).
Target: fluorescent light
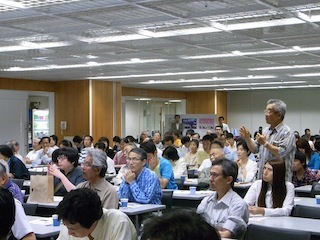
(142, 99)
(162, 74)
(175, 101)
(210, 79)
(306, 75)
(12, 4)
(284, 67)
(89, 64)
(127, 37)
(30, 45)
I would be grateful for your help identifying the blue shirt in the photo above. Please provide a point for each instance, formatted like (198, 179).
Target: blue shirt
(144, 189)
(15, 190)
(166, 172)
(314, 162)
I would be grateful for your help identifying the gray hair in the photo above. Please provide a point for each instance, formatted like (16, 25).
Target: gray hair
(279, 106)
(99, 160)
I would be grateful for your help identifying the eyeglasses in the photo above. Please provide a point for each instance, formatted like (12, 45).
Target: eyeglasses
(61, 157)
(213, 174)
(86, 164)
(134, 159)
(268, 111)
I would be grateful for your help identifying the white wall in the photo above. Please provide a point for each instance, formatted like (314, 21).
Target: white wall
(13, 118)
(303, 110)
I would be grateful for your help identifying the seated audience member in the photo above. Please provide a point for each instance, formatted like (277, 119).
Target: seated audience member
(116, 144)
(7, 213)
(15, 146)
(119, 157)
(247, 168)
(31, 156)
(12, 216)
(176, 138)
(77, 141)
(54, 142)
(109, 151)
(185, 141)
(69, 171)
(45, 153)
(179, 166)
(118, 179)
(169, 141)
(140, 183)
(205, 152)
(157, 140)
(87, 144)
(313, 159)
(216, 152)
(6, 183)
(180, 225)
(84, 218)
(225, 209)
(161, 167)
(65, 143)
(232, 145)
(302, 175)
(94, 169)
(271, 196)
(16, 166)
(110, 162)
(191, 157)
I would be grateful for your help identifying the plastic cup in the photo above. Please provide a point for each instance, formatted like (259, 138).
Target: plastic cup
(183, 177)
(124, 202)
(192, 190)
(55, 220)
(318, 199)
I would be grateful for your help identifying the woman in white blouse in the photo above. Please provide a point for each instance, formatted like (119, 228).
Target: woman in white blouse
(191, 157)
(271, 196)
(247, 169)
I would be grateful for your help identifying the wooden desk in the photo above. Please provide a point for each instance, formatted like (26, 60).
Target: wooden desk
(43, 227)
(137, 209)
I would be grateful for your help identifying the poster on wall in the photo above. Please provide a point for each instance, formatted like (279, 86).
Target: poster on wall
(189, 123)
(200, 123)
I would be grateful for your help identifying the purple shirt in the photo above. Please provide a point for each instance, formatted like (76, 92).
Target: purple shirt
(307, 179)
(15, 190)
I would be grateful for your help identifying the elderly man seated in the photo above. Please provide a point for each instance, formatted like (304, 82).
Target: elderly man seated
(216, 152)
(225, 209)
(140, 183)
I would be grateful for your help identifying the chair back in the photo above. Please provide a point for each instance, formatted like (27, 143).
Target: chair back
(256, 232)
(306, 212)
(167, 198)
(315, 189)
(179, 182)
(30, 208)
(17, 181)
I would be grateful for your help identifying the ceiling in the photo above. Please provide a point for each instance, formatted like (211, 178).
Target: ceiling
(182, 45)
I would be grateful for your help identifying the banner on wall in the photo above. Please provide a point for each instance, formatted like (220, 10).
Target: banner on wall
(200, 123)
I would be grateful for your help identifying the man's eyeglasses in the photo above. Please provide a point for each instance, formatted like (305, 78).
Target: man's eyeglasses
(213, 174)
(133, 159)
(86, 164)
(61, 157)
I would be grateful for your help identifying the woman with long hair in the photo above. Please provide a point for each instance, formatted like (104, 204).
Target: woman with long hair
(313, 159)
(272, 195)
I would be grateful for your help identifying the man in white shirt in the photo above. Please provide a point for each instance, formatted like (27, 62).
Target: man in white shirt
(44, 155)
(224, 126)
(31, 156)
